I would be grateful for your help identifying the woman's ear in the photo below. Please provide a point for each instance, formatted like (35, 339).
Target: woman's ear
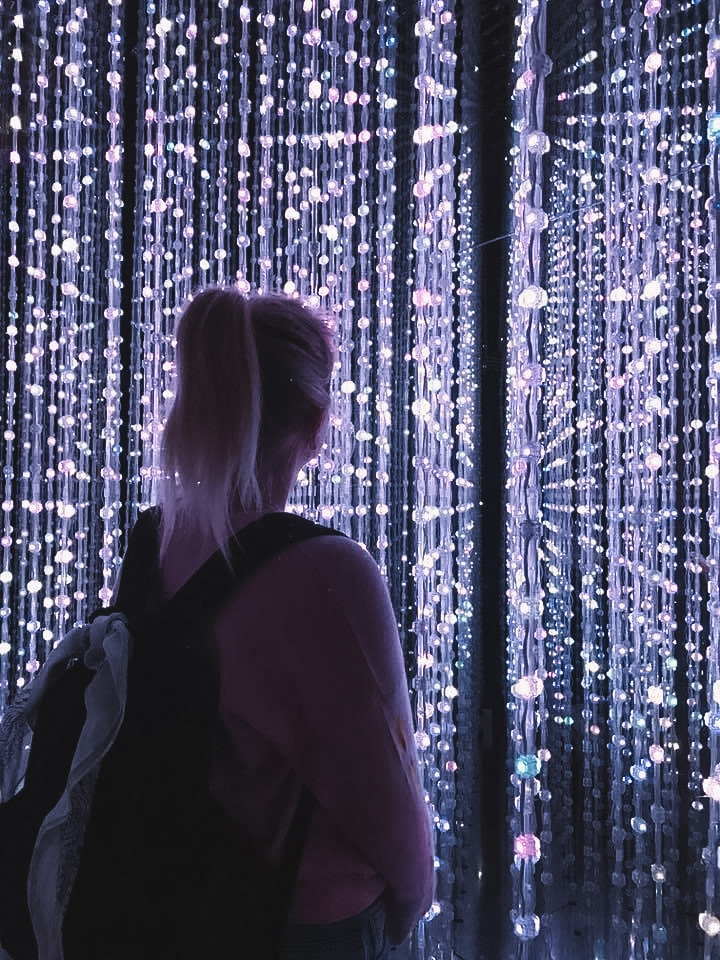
(315, 434)
(319, 425)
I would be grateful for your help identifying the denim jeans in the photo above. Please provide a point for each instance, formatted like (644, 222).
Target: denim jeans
(361, 937)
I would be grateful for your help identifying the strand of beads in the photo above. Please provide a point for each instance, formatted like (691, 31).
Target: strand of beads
(244, 107)
(384, 247)
(66, 493)
(710, 917)
(689, 184)
(433, 416)
(558, 533)
(616, 296)
(467, 508)
(526, 656)
(33, 503)
(110, 471)
(11, 380)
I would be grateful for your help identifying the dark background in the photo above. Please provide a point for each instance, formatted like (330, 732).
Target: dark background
(487, 45)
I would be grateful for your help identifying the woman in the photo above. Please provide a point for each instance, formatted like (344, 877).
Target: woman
(313, 689)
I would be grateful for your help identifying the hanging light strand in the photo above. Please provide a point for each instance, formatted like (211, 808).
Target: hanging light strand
(244, 107)
(87, 369)
(36, 326)
(267, 109)
(111, 471)
(710, 917)
(526, 658)
(357, 269)
(67, 187)
(11, 380)
(692, 189)
(559, 536)
(433, 421)
(467, 508)
(341, 281)
(384, 247)
(221, 182)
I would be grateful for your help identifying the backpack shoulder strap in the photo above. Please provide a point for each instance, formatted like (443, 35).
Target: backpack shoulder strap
(139, 575)
(249, 548)
(207, 589)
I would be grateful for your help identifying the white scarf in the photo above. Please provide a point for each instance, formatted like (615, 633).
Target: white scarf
(105, 646)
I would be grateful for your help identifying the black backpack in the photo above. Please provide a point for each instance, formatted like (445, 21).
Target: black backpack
(163, 873)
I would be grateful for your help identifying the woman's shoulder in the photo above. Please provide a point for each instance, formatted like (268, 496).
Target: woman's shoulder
(339, 591)
(330, 543)
(338, 575)
(336, 560)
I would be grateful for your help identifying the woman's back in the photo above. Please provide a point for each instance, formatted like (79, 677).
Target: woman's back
(312, 686)
(313, 691)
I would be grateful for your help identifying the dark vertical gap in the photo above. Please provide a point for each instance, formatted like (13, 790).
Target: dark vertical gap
(487, 91)
(467, 714)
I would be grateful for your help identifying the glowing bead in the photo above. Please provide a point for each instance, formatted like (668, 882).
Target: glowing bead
(711, 788)
(525, 926)
(533, 297)
(656, 752)
(527, 688)
(527, 766)
(651, 290)
(538, 142)
(709, 924)
(527, 846)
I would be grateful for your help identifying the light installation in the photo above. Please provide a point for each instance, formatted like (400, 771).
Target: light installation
(150, 152)
(612, 478)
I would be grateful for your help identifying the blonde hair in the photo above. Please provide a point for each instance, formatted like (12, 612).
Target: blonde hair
(252, 374)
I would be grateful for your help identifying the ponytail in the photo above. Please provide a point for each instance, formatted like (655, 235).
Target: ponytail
(251, 374)
(211, 438)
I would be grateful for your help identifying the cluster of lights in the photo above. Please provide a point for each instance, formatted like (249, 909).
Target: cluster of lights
(300, 215)
(266, 158)
(467, 504)
(57, 423)
(626, 493)
(433, 419)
